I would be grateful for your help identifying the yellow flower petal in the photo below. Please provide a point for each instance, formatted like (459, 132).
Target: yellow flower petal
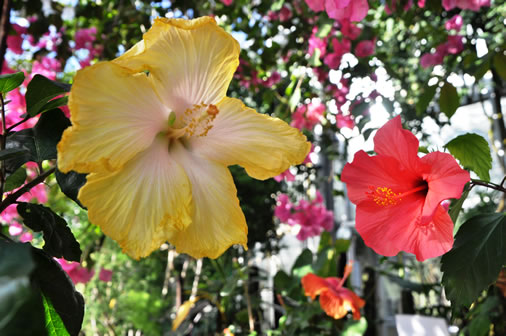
(115, 114)
(263, 145)
(142, 205)
(218, 221)
(192, 61)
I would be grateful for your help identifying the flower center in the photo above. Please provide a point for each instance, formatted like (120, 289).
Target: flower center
(384, 196)
(195, 121)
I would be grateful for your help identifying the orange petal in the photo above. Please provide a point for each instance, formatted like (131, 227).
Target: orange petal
(337, 303)
(313, 285)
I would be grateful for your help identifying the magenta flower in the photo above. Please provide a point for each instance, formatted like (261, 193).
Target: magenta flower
(105, 275)
(365, 48)
(15, 41)
(307, 116)
(355, 10)
(349, 30)
(317, 43)
(473, 5)
(283, 208)
(333, 60)
(454, 23)
(285, 176)
(227, 2)
(389, 10)
(75, 271)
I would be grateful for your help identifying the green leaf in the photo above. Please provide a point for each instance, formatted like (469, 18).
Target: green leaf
(449, 100)
(499, 62)
(70, 184)
(38, 142)
(11, 81)
(294, 98)
(456, 207)
(425, 99)
(57, 287)
(9, 153)
(15, 180)
(54, 324)
(473, 152)
(40, 91)
(19, 303)
(355, 328)
(324, 30)
(59, 241)
(304, 264)
(55, 103)
(314, 60)
(476, 258)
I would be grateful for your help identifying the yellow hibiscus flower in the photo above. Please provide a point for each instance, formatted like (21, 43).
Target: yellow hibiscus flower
(156, 132)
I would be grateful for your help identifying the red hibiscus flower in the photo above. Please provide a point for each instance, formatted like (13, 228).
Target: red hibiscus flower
(398, 194)
(335, 300)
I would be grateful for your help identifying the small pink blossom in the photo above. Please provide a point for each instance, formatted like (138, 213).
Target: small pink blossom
(273, 79)
(389, 10)
(421, 3)
(454, 23)
(75, 271)
(283, 208)
(227, 2)
(345, 121)
(285, 176)
(307, 116)
(355, 10)
(365, 48)
(285, 14)
(105, 275)
(316, 5)
(349, 30)
(473, 5)
(47, 67)
(454, 45)
(333, 60)
(26, 237)
(317, 43)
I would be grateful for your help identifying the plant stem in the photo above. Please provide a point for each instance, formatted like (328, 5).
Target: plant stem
(27, 187)
(16, 124)
(499, 187)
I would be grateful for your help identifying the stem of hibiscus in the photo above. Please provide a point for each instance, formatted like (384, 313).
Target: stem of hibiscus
(3, 143)
(499, 187)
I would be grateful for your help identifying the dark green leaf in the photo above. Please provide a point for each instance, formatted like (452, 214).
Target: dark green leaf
(479, 326)
(54, 324)
(473, 152)
(57, 286)
(295, 98)
(449, 100)
(19, 303)
(476, 258)
(55, 103)
(15, 180)
(40, 91)
(456, 206)
(303, 264)
(499, 62)
(11, 81)
(39, 142)
(367, 133)
(9, 153)
(425, 99)
(70, 184)
(59, 240)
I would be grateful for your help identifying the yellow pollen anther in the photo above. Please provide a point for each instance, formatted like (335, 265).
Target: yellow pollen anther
(197, 120)
(212, 110)
(383, 196)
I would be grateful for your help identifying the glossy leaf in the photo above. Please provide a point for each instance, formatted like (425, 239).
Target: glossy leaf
(473, 152)
(449, 100)
(70, 184)
(9, 82)
(54, 324)
(425, 99)
(476, 258)
(39, 93)
(303, 264)
(59, 240)
(15, 180)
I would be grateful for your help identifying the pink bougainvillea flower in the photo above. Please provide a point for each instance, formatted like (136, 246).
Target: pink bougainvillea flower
(421, 3)
(454, 23)
(335, 300)
(285, 14)
(285, 176)
(317, 43)
(365, 48)
(105, 275)
(227, 2)
(316, 5)
(307, 116)
(75, 271)
(345, 121)
(473, 5)
(15, 41)
(310, 216)
(454, 45)
(398, 194)
(349, 30)
(157, 147)
(333, 60)
(389, 10)
(355, 10)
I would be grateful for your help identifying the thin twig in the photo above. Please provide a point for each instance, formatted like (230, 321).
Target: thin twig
(27, 187)
(10, 128)
(499, 187)
(2, 144)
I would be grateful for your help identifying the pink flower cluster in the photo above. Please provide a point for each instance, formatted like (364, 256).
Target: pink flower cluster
(248, 77)
(454, 23)
(15, 41)
(85, 39)
(353, 10)
(473, 5)
(307, 116)
(454, 45)
(312, 217)
(79, 274)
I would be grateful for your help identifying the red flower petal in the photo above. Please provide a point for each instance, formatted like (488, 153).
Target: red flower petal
(338, 302)
(392, 140)
(313, 285)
